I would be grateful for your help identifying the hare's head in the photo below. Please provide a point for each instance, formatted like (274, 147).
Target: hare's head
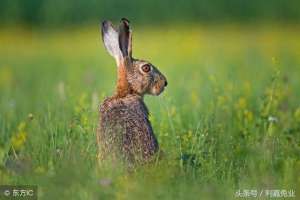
(135, 76)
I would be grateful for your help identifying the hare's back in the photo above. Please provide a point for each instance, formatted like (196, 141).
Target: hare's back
(126, 121)
(122, 110)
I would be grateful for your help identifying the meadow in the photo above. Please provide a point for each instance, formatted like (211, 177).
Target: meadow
(229, 119)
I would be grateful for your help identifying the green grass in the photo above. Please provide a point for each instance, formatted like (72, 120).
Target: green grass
(228, 120)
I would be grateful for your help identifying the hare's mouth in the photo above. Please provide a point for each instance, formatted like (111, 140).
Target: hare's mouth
(157, 90)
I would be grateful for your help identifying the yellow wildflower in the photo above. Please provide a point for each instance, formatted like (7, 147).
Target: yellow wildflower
(82, 103)
(151, 118)
(248, 115)
(247, 87)
(221, 100)
(186, 137)
(297, 114)
(241, 103)
(40, 170)
(84, 120)
(173, 111)
(19, 139)
(30, 116)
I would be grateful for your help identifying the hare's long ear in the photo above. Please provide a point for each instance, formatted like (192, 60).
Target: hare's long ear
(110, 39)
(125, 38)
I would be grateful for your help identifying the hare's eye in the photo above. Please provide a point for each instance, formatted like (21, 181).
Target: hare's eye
(146, 68)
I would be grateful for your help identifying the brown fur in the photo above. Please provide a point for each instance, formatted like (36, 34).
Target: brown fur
(125, 130)
(122, 83)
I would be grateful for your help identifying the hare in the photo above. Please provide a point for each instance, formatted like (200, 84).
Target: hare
(124, 130)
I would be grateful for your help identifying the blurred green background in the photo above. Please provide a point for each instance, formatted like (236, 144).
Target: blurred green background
(228, 121)
(69, 12)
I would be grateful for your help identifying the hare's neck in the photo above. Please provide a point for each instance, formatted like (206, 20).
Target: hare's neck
(122, 83)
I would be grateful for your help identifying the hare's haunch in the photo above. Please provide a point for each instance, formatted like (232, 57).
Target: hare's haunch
(125, 131)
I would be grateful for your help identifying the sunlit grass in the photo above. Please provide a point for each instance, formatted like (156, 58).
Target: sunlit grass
(229, 119)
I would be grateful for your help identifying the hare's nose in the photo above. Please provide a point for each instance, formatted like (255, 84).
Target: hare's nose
(166, 83)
